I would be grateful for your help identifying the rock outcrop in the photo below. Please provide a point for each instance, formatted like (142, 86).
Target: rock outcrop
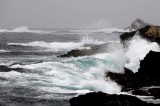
(143, 29)
(103, 99)
(127, 36)
(149, 32)
(138, 24)
(93, 50)
(147, 75)
(83, 52)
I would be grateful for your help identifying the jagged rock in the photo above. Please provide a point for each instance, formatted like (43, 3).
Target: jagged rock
(127, 35)
(83, 52)
(138, 24)
(103, 99)
(76, 53)
(151, 33)
(150, 65)
(123, 79)
(147, 75)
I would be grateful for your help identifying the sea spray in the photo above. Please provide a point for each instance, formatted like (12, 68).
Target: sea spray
(137, 50)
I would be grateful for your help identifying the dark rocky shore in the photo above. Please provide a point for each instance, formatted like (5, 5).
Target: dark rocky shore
(145, 82)
(147, 76)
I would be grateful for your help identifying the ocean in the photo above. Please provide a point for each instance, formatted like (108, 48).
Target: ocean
(31, 74)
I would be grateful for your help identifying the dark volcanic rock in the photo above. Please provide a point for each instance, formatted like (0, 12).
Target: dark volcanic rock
(149, 32)
(83, 52)
(103, 99)
(147, 75)
(150, 65)
(127, 36)
(124, 79)
(76, 53)
(93, 50)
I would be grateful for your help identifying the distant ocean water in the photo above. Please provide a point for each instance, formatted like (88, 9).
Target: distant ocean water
(33, 75)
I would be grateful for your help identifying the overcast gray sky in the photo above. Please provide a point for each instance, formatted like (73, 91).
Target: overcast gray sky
(76, 13)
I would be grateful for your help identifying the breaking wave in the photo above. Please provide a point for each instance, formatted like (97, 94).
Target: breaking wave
(137, 49)
(74, 75)
(62, 46)
(24, 29)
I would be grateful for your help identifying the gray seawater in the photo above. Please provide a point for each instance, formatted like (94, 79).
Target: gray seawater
(38, 78)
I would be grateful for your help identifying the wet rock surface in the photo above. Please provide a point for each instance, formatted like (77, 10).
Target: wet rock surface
(145, 82)
(149, 32)
(147, 76)
(138, 24)
(103, 99)
(93, 50)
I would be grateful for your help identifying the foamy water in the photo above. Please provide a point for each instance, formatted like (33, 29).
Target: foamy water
(52, 77)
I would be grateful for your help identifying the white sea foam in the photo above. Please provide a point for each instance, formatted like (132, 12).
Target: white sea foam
(137, 49)
(82, 74)
(91, 41)
(55, 46)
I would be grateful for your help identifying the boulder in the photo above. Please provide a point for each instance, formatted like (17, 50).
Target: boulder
(138, 24)
(124, 79)
(147, 75)
(149, 32)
